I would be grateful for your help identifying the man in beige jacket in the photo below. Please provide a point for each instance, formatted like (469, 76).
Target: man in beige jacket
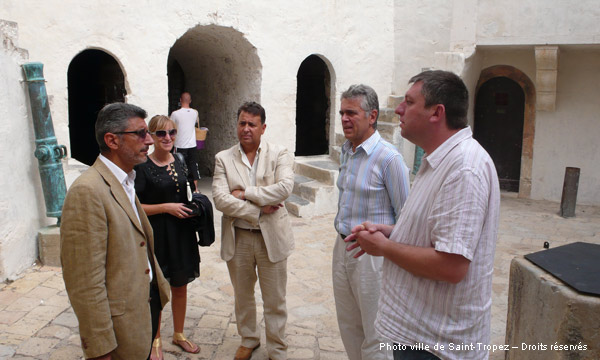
(251, 181)
(107, 244)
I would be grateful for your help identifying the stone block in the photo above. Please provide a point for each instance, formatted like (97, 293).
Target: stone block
(546, 57)
(545, 80)
(394, 101)
(388, 115)
(546, 101)
(547, 319)
(49, 245)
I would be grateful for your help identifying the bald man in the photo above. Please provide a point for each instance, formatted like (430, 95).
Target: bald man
(187, 119)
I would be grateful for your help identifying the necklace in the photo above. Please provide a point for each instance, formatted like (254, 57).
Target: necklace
(161, 163)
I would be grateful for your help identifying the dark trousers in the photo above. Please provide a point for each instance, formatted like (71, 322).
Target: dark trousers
(155, 309)
(410, 354)
(190, 155)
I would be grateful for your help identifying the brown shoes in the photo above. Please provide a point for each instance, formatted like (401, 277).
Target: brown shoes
(244, 353)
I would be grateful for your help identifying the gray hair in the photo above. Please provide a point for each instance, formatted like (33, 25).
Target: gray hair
(369, 100)
(114, 118)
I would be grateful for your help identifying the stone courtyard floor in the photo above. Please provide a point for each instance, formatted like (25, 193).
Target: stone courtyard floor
(37, 322)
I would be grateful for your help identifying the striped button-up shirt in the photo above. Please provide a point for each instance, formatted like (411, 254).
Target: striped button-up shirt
(453, 207)
(373, 184)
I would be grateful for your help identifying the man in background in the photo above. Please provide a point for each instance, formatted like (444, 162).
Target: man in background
(186, 120)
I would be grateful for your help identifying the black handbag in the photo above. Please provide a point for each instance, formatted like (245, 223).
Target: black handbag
(202, 211)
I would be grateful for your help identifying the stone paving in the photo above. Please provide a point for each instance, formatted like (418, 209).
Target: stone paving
(37, 322)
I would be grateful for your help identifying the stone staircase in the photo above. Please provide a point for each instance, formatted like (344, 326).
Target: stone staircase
(315, 192)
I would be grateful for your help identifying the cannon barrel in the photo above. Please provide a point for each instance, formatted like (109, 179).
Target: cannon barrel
(47, 150)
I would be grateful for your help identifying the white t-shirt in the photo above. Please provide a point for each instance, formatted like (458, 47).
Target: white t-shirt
(185, 118)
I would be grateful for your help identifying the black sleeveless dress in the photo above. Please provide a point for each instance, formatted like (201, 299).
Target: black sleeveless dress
(175, 243)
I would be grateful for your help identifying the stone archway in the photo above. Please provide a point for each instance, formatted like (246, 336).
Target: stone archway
(312, 107)
(95, 78)
(528, 88)
(221, 70)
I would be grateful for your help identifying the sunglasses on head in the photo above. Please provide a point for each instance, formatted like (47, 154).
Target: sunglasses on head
(141, 133)
(163, 133)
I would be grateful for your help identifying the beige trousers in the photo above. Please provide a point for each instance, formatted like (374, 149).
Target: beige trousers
(250, 260)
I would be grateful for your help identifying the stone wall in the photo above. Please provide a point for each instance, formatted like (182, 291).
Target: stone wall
(21, 199)
(547, 319)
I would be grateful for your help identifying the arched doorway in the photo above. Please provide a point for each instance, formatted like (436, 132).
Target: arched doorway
(221, 70)
(312, 107)
(528, 132)
(499, 110)
(94, 79)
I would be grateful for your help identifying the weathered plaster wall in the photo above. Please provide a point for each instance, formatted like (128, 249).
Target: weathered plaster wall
(539, 22)
(569, 136)
(21, 199)
(420, 30)
(355, 37)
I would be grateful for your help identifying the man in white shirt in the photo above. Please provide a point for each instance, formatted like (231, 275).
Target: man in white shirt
(107, 244)
(439, 257)
(186, 120)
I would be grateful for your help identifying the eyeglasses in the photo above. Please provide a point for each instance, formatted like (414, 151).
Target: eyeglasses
(163, 133)
(141, 133)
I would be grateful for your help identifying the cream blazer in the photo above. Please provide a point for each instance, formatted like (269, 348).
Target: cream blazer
(104, 255)
(274, 184)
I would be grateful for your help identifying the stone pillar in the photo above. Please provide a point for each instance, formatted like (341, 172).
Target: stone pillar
(546, 75)
(547, 319)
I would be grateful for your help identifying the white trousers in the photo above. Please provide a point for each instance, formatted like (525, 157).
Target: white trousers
(356, 285)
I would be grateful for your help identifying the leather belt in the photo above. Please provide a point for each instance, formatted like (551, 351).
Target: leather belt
(345, 236)
(256, 231)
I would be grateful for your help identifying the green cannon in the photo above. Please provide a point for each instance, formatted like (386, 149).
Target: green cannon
(47, 150)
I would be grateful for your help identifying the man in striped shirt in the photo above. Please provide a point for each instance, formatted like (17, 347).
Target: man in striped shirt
(373, 185)
(437, 274)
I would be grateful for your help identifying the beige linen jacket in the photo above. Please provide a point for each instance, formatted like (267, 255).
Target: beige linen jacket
(104, 255)
(274, 184)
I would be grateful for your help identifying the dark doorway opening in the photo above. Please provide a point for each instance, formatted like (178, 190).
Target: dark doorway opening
(312, 107)
(94, 79)
(499, 116)
(176, 84)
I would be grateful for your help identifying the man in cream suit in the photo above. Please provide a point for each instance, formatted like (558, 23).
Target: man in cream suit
(107, 243)
(251, 181)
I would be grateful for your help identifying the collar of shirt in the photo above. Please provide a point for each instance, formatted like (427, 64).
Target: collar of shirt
(123, 177)
(245, 158)
(127, 180)
(368, 145)
(436, 157)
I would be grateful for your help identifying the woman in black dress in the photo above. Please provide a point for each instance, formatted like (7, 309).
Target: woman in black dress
(162, 188)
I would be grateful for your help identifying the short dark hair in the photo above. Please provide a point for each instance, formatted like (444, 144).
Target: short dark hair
(369, 101)
(448, 89)
(253, 108)
(114, 118)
